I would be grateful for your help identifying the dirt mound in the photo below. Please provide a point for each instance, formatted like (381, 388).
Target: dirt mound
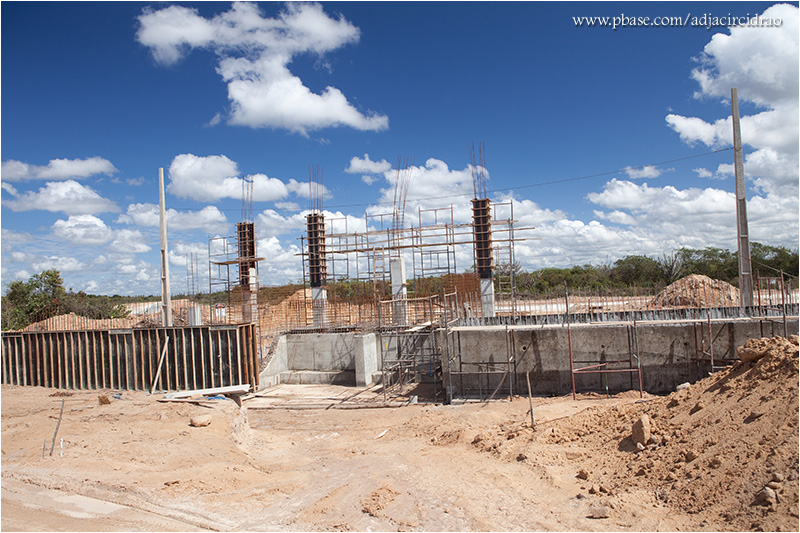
(755, 349)
(697, 290)
(71, 321)
(725, 448)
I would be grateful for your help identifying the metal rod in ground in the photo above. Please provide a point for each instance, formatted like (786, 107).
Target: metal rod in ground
(530, 397)
(53, 445)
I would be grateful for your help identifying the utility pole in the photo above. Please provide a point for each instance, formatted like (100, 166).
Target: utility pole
(166, 304)
(742, 233)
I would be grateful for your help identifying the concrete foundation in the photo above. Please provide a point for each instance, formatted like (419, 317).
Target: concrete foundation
(666, 351)
(341, 358)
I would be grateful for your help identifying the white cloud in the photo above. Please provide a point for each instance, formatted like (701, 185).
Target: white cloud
(369, 180)
(270, 223)
(762, 63)
(648, 171)
(433, 185)
(129, 241)
(209, 219)
(68, 197)
(60, 263)
(214, 177)
(366, 166)
(56, 169)
(303, 189)
(254, 52)
(703, 173)
(85, 230)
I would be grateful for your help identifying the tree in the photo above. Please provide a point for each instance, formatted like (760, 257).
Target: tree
(43, 296)
(671, 267)
(769, 261)
(636, 270)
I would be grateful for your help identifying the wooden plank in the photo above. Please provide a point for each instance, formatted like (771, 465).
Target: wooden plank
(213, 346)
(231, 389)
(102, 358)
(59, 350)
(93, 359)
(254, 346)
(196, 333)
(184, 334)
(160, 362)
(134, 363)
(74, 361)
(203, 349)
(239, 369)
(47, 340)
(229, 352)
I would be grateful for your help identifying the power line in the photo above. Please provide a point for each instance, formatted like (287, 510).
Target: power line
(541, 184)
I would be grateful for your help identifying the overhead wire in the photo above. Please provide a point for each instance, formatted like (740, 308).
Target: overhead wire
(532, 185)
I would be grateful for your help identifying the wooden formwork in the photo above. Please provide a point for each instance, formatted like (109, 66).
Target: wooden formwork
(198, 357)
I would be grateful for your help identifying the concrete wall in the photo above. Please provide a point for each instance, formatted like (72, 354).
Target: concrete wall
(342, 358)
(666, 351)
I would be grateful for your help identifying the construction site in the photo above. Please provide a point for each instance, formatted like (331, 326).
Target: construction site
(399, 390)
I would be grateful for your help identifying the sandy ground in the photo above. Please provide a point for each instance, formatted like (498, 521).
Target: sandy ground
(309, 458)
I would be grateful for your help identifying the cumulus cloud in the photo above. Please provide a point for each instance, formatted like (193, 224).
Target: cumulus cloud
(83, 229)
(432, 185)
(209, 219)
(60, 263)
(303, 189)
(216, 176)
(254, 53)
(364, 165)
(68, 197)
(648, 171)
(56, 169)
(763, 65)
(703, 173)
(129, 241)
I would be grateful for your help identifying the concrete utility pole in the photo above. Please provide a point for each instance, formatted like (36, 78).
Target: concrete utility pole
(742, 233)
(166, 303)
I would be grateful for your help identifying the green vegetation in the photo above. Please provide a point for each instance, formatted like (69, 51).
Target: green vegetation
(43, 296)
(643, 271)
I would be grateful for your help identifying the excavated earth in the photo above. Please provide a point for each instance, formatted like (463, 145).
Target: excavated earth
(721, 454)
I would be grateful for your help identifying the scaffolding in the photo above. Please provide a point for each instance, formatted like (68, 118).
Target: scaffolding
(604, 366)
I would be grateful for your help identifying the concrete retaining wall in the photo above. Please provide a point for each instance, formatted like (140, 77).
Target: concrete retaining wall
(313, 358)
(667, 352)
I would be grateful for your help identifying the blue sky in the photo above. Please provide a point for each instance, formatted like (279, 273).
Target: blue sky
(97, 96)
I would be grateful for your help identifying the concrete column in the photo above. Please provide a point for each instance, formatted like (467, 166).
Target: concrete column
(250, 298)
(195, 318)
(365, 354)
(397, 270)
(487, 297)
(319, 306)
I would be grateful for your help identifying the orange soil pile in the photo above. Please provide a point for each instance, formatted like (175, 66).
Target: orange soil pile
(71, 321)
(697, 290)
(725, 448)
